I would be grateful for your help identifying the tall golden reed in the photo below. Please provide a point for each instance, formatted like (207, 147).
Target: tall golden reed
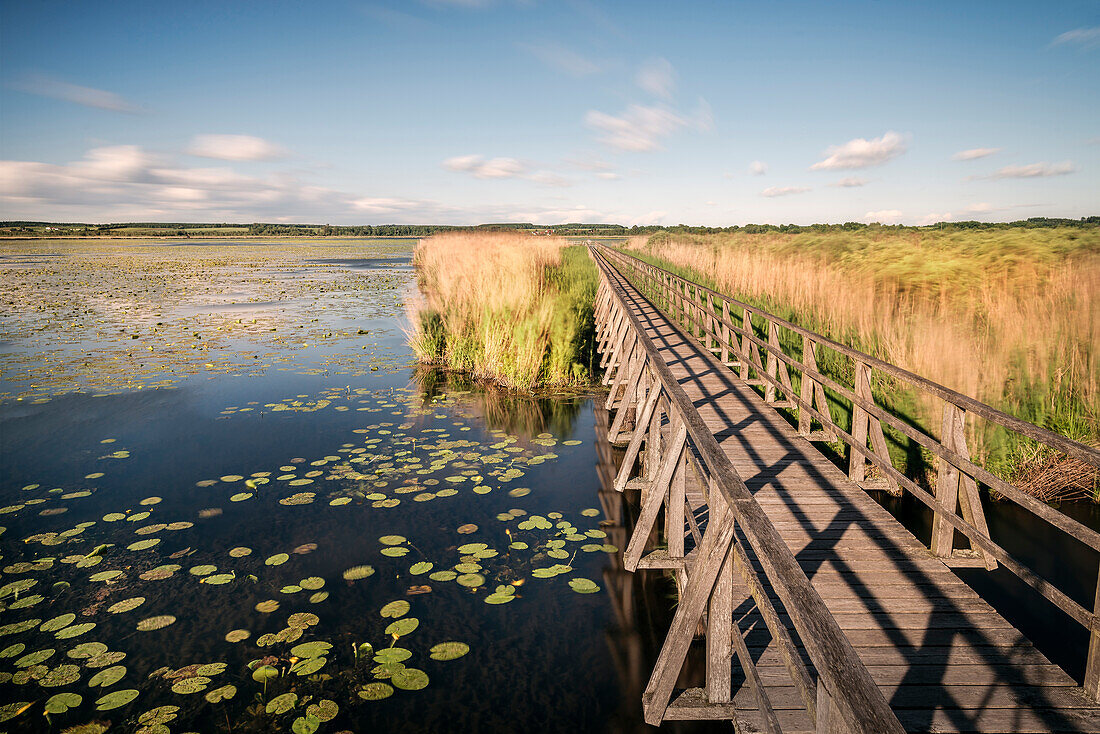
(1011, 317)
(494, 308)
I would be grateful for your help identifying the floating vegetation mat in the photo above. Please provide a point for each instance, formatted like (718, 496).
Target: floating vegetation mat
(300, 552)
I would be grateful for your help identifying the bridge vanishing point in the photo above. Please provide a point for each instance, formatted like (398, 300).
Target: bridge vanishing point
(818, 610)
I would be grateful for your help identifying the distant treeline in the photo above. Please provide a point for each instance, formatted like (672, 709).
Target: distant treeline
(574, 229)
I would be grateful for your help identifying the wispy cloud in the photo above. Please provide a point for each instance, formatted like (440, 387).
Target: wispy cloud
(638, 128)
(47, 86)
(657, 77)
(849, 182)
(562, 59)
(1036, 170)
(883, 216)
(974, 154)
(235, 148)
(123, 182)
(758, 168)
(1084, 37)
(862, 153)
(774, 191)
(479, 167)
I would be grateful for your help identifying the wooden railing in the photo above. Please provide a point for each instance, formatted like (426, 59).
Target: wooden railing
(728, 328)
(679, 447)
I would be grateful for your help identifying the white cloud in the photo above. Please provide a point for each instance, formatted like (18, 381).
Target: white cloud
(479, 167)
(649, 218)
(125, 182)
(758, 168)
(1085, 37)
(638, 129)
(46, 86)
(933, 218)
(1036, 170)
(774, 191)
(608, 175)
(561, 58)
(883, 216)
(862, 153)
(974, 154)
(850, 182)
(657, 77)
(235, 148)
(979, 208)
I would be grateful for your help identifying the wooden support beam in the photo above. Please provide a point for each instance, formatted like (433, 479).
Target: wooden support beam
(643, 429)
(1092, 662)
(654, 500)
(813, 394)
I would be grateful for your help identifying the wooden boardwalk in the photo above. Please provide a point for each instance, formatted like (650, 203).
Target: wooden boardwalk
(877, 635)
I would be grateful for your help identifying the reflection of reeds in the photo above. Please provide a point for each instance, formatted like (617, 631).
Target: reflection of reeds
(507, 307)
(1009, 316)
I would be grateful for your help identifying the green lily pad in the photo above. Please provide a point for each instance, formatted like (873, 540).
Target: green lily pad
(143, 544)
(223, 693)
(449, 650)
(302, 619)
(217, 579)
(116, 699)
(187, 686)
(355, 573)
(583, 586)
(305, 725)
(126, 605)
(282, 704)
(311, 649)
(308, 666)
(277, 560)
(87, 650)
(240, 551)
(265, 672)
(204, 570)
(105, 576)
(234, 636)
(108, 676)
(158, 715)
(312, 583)
(74, 630)
(443, 576)
(324, 710)
(267, 607)
(375, 691)
(12, 650)
(211, 669)
(395, 551)
(11, 710)
(34, 658)
(53, 625)
(421, 568)
(59, 703)
(392, 539)
(403, 627)
(472, 580)
(410, 679)
(151, 624)
(396, 609)
(392, 655)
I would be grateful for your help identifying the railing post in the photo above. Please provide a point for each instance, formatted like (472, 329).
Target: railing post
(955, 488)
(746, 325)
(1092, 664)
(829, 720)
(857, 464)
(725, 332)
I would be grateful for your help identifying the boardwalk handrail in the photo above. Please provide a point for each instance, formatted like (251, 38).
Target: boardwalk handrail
(958, 475)
(844, 683)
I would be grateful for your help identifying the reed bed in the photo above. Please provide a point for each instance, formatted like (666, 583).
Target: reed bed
(512, 308)
(1011, 317)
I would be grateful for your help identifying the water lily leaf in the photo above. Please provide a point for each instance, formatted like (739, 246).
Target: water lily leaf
(235, 636)
(499, 598)
(203, 570)
(158, 716)
(449, 650)
(143, 544)
(277, 560)
(87, 650)
(305, 725)
(217, 579)
(392, 539)
(12, 650)
(311, 649)
(59, 703)
(224, 693)
(151, 624)
(410, 679)
(583, 586)
(403, 627)
(62, 620)
(266, 607)
(308, 666)
(375, 691)
(240, 551)
(396, 609)
(104, 659)
(187, 686)
(74, 630)
(108, 676)
(395, 551)
(105, 575)
(126, 605)
(467, 529)
(211, 669)
(472, 580)
(358, 572)
(265, 672)
(116, 699)
(470, 548)
(302, 619)
(320, 596)
(421, 568)
(324, 710)
(282, 704)
(392, 655)
(34, 658)
(312, 583)
(443, 576)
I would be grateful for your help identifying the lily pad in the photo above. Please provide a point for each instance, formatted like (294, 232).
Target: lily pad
(282, 704)
(403, 627)
(187, 686)
(313, 583)
(395, 551)
(87, 650)
(61, 702)
(311, 649)
(235, 636)
(308, 666)
(108, 676)
(116, 699)
(266, 607)
(449, 650)
(396, 609)
(356, 573)
(410, 679)
(223, 693)
(265, 673)
(391, 539)
(53, 625)
(392, 655)
(421, 568)
(126, 605)
(305, 725)
(324, 710)
(375, 691)
(277, 560)
(583, 586)
(150, 624)
(443, 576)
(472, 580)
(74, 630)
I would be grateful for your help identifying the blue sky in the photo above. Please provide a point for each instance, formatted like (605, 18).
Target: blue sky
(469, 111)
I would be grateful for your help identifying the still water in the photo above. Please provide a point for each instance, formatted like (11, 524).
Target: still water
(220, 469)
